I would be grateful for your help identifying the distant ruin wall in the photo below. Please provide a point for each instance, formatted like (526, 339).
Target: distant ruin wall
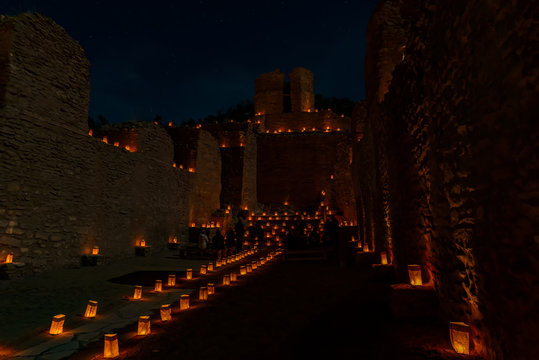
(297, 167)
(298, 121)
(453, 149)
(269, 89)
(302, 90)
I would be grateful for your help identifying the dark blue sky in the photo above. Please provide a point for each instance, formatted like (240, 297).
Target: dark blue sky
(183, 59)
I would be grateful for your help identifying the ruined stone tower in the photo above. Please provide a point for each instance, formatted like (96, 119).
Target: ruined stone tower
(302, 90)
(269, 93)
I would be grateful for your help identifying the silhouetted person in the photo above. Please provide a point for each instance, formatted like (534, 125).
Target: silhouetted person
(230, 242)
(230, 238)
(218, 243)
(240, 231)
(203, 242)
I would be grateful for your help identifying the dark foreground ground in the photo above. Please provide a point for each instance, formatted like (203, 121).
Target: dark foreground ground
(294, 310)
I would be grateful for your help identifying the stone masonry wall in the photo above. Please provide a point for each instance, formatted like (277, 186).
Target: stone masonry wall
(455, 143)
(297, 167)
(61, 190)
(302, 90)
(269, 89)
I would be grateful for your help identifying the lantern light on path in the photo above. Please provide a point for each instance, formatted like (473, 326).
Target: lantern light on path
(253, 265)
(158, 286)
(137, 295)
(414, 272)
(249, 268)
(383, 258)
(165, 312)
(142, 243)
(95, 250)
(184, 302)
(211, 289)
(243, 270)
(144, 325)
(210, 266)
(233, 276)
(226, 279)
(9, 258)
(171, 280)
(57, 324)
(111, 346)
(203, 270)
(189, 274)
(203, 293)
(459, 334)
(91, 309)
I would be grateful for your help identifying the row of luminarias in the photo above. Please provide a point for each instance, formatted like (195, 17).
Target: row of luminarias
(459, 332)
(111, 346)
(115, 143)
(281, 131)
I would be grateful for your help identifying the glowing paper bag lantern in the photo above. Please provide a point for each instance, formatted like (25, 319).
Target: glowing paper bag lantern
(459, 334)
(171, 280)
(258, 263)
(218, 263)
(203, 270)
(91, 309)
(189, 274)
(111, 346)
(211, 289)
(138, 293)
(249, 268)
(243, 270)
(383, 258)
(203, 293)
(366, 247)
(144, 325)
(95, 250)
(233, 276)
(210, 266)
(158, 286)
(226, 280)
(184, 302)
(414, 272)
(165, 312)
(253, 265)
(9, 258)
(57, 324)
(142, 243)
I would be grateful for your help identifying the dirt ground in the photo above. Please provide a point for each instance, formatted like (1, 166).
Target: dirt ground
(292, 310)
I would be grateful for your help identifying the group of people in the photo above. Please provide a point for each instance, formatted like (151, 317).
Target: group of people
(229, 243)
(297, 240)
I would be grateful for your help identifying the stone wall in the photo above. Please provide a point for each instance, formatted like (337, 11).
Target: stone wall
(302, 90)
(38, 60)
(63, 191)
(269, 89)
(304, 121)
(239, 158)
(297, 167)
(451, 155)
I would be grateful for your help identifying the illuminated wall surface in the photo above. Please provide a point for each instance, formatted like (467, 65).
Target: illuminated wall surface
(447, 166)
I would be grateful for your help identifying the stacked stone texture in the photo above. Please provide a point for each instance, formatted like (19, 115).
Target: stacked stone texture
(301, 90)
(456, 154)
(297, 167)
(62, 191)
(269, 88)
(40, 61)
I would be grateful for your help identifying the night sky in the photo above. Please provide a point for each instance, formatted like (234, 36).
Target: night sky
(189, 59)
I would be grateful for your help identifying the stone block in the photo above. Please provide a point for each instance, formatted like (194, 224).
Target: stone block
(413, 301)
